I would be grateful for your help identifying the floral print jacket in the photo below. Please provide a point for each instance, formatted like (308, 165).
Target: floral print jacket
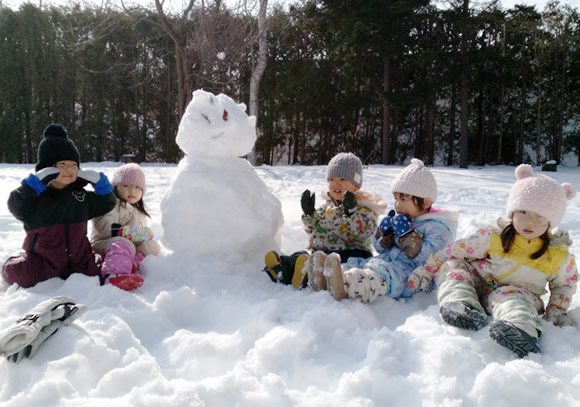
(484, 252)
(328, 228)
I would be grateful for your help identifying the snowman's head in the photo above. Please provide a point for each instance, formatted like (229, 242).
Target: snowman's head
(216, 125)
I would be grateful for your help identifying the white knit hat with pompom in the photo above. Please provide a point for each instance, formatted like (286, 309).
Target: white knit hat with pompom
(539, 193)
(416, 180)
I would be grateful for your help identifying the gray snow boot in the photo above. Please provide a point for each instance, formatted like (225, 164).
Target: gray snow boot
(461, 315)
(515, 339)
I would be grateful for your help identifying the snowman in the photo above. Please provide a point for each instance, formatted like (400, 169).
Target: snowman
(216, 204)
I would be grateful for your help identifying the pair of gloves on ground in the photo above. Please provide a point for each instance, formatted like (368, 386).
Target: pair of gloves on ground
(308, 203)
(41, 179)
(399, 227)
(26, 335)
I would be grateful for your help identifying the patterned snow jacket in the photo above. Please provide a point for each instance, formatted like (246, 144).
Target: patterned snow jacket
(56, 243)
(436, 228)
(484, 252)
(330, 229)
(122, 214)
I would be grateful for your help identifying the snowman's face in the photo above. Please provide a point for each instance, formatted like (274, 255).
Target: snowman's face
(216, 125)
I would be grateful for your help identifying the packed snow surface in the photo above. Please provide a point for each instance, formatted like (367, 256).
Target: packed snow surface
(215, 331)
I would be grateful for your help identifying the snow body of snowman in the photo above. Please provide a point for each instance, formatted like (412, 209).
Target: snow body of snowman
(216, 204)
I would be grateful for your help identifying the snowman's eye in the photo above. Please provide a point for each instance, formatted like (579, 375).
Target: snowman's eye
(225, 116)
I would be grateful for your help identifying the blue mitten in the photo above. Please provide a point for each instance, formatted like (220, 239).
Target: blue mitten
(41, 179)
(401, 225)
(103, 186)
(386, 222)
(33, 182)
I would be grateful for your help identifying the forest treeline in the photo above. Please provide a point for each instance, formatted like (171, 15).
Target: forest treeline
(386, 79)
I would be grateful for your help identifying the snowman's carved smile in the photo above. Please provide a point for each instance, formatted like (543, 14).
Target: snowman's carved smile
(217, 136)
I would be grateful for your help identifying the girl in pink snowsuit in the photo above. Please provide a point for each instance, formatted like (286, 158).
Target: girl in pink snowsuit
(122, 235)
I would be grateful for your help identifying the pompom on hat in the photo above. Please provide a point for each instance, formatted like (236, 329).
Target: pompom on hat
(416, 180)
(347, 166)
(539, 193)
(130, 174)
(56, 146)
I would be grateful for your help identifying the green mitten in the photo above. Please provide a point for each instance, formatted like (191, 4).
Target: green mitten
(349, 203)
(307, 201)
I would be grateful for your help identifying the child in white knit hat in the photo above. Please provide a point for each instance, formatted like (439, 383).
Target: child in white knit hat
(403, 241)
(502, 270)
(343, 224)
(122, 236)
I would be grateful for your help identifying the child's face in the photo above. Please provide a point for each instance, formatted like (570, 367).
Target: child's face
(404, 205)
(68, 174)
(129, 193)
(338, 186)
(529, 224)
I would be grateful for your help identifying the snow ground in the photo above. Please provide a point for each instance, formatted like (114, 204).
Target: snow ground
(215, 332)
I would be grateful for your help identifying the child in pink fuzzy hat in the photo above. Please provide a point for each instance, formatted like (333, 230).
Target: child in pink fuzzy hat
(122, 236)
(502, 270)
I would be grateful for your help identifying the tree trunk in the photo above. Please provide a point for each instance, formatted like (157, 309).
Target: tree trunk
(386, 142)
(431, 133)
(501, 124)
(523, 112)
(539, 120)
(464, 137)
(258, 70)
(451, 138)
(183, 65)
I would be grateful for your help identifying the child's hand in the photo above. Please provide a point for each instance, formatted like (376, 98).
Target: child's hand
(401, 225)
(420, 279)
(558, 316)
(47, 174)
(411, 244)
(136, 234)
(385, 224)
(89, 175)
(387, 239)
(308, 201)
(100, 182)
(41, 179)
(349, 203)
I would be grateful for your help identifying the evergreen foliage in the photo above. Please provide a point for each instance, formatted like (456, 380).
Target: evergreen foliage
(380, 78)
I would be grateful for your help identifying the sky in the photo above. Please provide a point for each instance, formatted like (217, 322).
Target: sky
(209, 328)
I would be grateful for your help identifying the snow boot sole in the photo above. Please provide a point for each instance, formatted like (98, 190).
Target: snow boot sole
(127, 282)
(316, 278)
(286, 269)
(299, 279)
(272, 260)
(334, 278)
(460, 315)
(513, 338)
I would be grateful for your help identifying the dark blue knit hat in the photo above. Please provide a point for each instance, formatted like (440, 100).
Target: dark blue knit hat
(56, 146)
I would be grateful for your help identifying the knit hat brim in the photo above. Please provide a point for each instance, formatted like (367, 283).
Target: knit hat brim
(347, 166)
(416, 180)
(56, 146)
(540, 194)
(130, 174)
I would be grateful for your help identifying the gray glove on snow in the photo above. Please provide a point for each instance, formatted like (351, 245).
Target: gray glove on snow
(24, 337)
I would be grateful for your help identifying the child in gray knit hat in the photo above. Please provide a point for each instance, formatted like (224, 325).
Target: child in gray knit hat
(343, 224)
